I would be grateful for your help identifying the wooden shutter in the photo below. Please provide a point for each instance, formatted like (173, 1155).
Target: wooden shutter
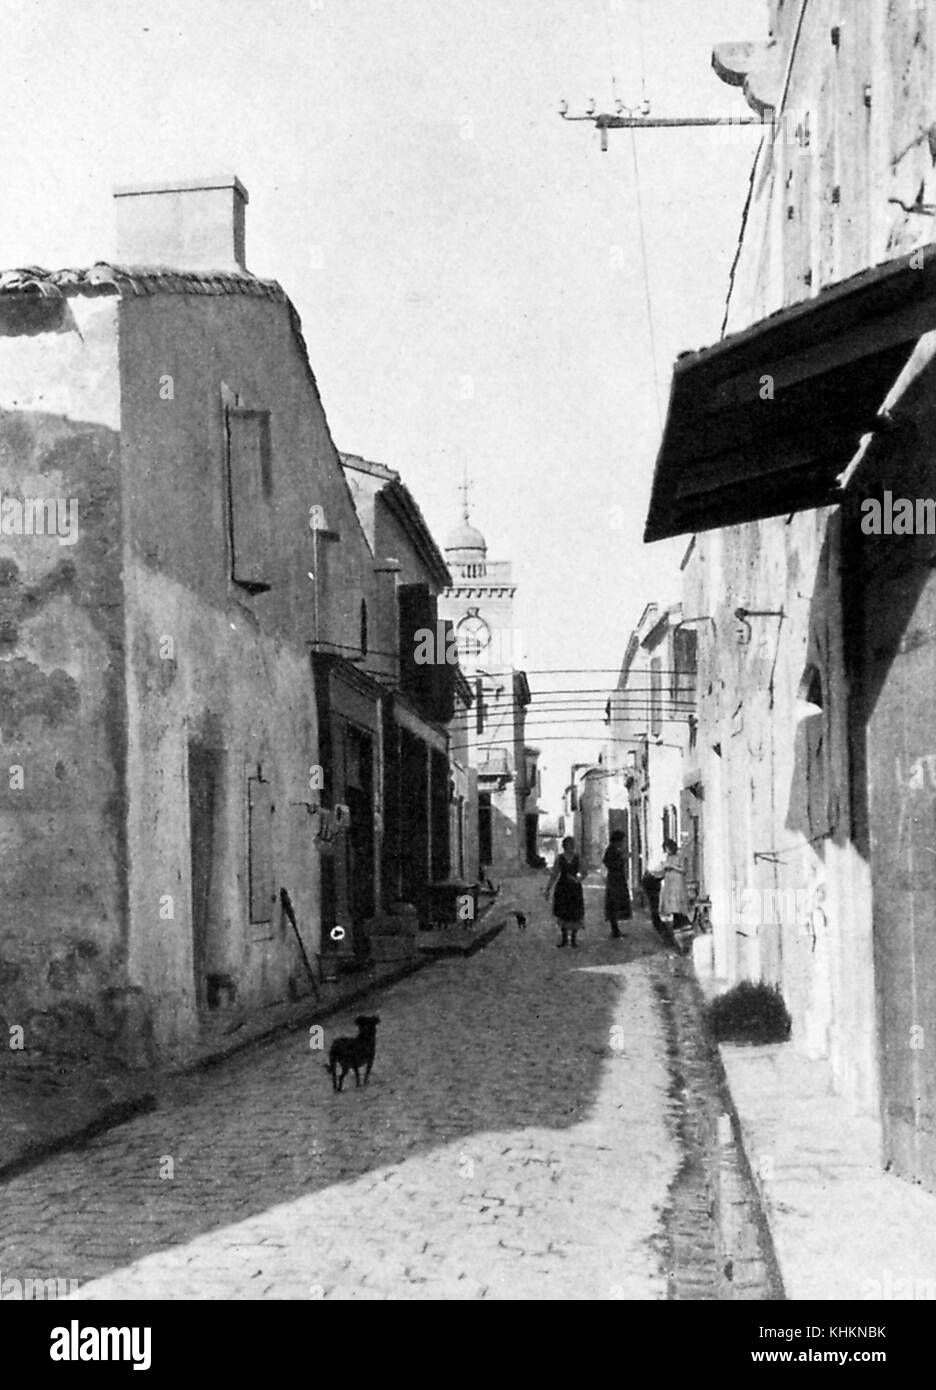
(417, 613)
(250, 481)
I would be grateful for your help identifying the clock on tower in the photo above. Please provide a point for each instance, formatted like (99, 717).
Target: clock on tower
(473, 636)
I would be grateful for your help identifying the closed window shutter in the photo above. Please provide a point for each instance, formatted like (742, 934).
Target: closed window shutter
(417, 613)
(443, 695)
(251, 488)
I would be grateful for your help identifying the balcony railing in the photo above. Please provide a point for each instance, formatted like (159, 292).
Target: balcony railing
(497, 571)
(493, 762)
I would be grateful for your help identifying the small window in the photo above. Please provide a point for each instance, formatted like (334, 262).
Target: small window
(250, 484)
(363, 627)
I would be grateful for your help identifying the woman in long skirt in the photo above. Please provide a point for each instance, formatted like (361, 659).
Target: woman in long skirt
(569, 899)
(674, 898)
(617, 903)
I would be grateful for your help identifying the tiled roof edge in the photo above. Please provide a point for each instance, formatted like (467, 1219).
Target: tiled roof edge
(104, 278)
(137, 280)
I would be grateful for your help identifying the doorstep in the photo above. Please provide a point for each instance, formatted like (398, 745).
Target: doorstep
(841, 1227)
(458, 941)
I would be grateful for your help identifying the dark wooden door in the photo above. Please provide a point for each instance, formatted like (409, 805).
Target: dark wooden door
(360, 793)
(485, 830)
(203, 790)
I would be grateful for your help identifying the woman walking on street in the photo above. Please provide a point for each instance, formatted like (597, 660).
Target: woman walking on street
(569, 899)
(617, 904)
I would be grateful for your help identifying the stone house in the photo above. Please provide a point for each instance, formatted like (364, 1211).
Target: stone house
(187, 603)
(816, 639)
(428, 733)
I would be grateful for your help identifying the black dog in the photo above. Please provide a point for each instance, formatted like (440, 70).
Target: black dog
(350, 1054)
(521, 920)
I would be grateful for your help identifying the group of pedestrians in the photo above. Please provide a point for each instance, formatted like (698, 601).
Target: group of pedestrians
(664, 884)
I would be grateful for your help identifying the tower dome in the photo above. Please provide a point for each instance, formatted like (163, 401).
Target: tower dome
(465, 544)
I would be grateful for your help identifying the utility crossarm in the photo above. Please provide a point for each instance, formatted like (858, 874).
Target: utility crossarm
(605, 122)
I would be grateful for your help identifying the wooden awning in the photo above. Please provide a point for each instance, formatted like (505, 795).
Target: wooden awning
(763, 423)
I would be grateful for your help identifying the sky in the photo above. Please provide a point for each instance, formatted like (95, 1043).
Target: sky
(473, 274)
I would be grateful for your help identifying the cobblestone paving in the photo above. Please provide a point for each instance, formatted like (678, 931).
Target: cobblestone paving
(518, 1139)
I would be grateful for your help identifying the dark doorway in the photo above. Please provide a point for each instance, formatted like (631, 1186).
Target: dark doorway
(203, 778)
(414, 816)
(638, 860)
(485, 835)
(460, 835)
(440, 792)
(690, 809)
(619, 819)
(360, 842)
(532, 849)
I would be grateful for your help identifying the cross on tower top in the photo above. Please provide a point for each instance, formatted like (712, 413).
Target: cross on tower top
(464, 490)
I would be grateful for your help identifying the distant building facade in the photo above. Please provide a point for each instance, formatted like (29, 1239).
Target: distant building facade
(419, 846)
(479, 604)
(651, 719)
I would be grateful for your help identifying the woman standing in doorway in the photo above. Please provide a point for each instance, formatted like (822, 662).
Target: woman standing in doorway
(617, 904)
(569, 899)
(674, 896)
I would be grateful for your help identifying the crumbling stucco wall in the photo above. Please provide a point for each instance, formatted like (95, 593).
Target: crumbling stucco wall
(63, 886)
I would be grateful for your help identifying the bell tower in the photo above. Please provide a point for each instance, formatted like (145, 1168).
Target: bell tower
(479, 603)
(480, 600)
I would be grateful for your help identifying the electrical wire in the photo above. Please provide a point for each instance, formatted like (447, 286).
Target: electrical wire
(595, 670)
(549, 719)
(646, 280)
(556, 738)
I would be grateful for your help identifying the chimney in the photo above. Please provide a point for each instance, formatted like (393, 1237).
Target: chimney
(190, 224)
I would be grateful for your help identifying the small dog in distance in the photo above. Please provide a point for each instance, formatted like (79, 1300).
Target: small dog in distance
(351, 1054)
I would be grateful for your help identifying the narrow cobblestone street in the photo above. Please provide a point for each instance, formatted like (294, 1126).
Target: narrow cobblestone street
(519, 1138)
